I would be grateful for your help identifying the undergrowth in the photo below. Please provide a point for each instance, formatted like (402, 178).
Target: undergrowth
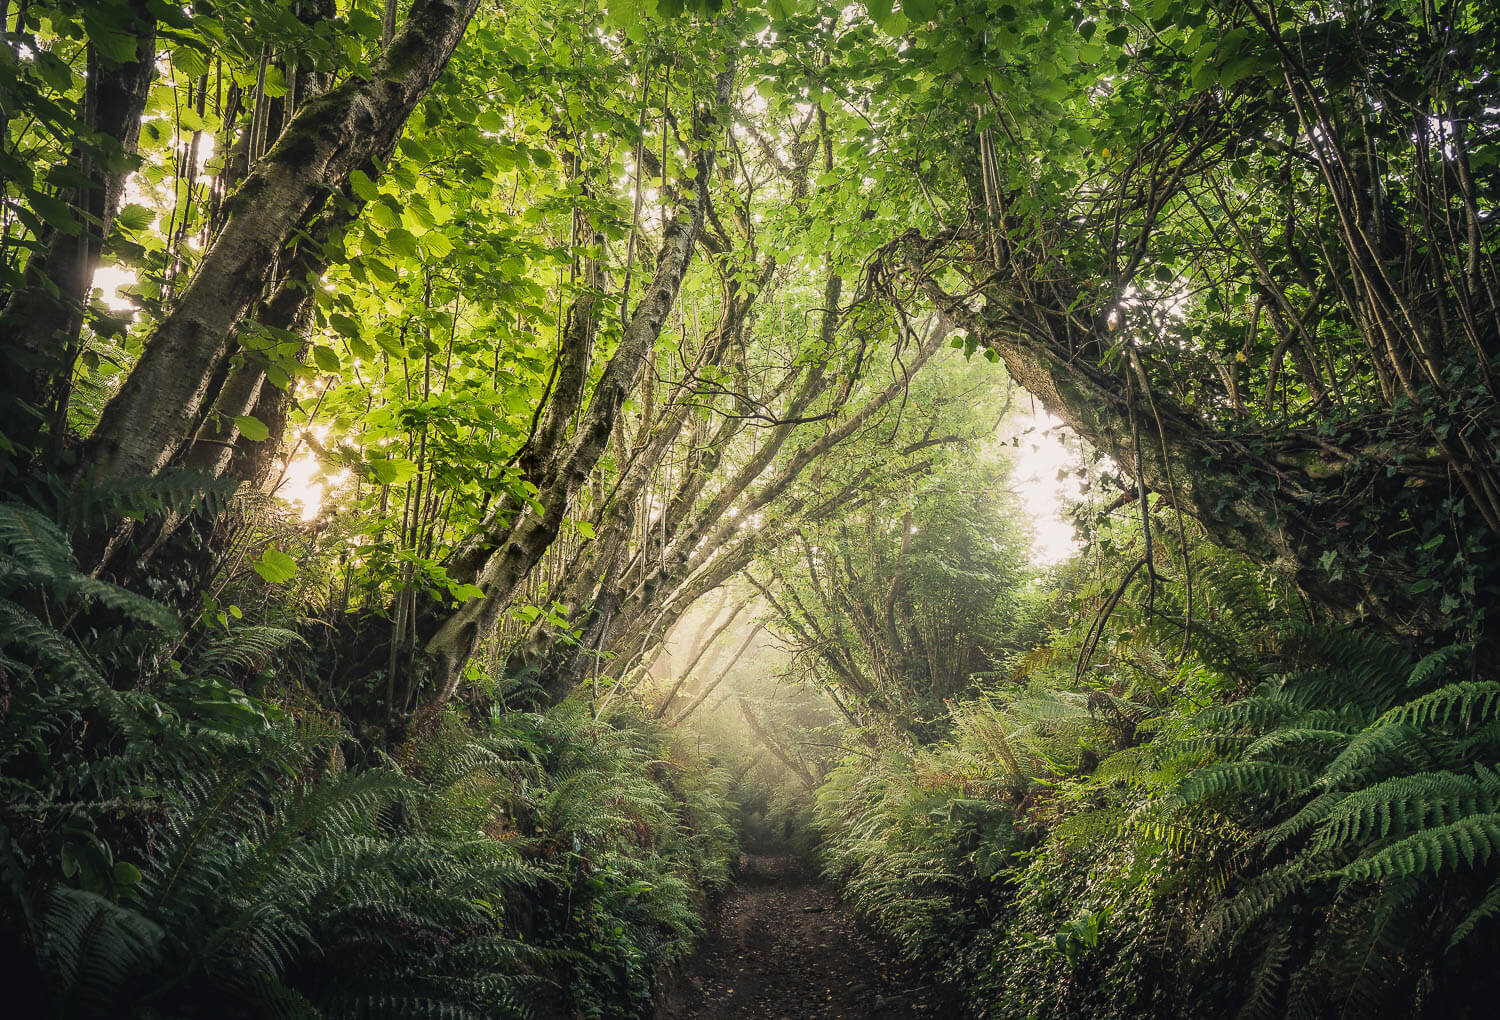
(1286, 820)
(173, 846)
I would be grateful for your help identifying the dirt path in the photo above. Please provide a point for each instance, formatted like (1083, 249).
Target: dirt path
(781, 947)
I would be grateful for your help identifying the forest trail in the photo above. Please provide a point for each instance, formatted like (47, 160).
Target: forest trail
(781, 947)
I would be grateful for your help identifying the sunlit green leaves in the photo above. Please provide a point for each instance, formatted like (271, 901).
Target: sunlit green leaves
(403, 242)
(189, 61)
(325, 359)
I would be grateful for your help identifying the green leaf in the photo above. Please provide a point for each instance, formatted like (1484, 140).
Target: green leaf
(134, 218)
(188, 61)
(54, 70)
(363, 186)
(393, 471)
(919, 11)
(380, 269)
(325, 359)
(345, 325)
(252, 428)
(275, 86)
(383, 216)
(464, 592)
(189, 120)
(275, 566)
(403, 242)
(415, 150)
(57, 214)
(114, 47)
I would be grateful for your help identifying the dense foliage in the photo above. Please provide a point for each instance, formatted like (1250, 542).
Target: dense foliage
(1290, 820)
(179, 847)
(462, 457)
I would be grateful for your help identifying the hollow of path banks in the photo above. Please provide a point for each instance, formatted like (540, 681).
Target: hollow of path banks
(781, 947)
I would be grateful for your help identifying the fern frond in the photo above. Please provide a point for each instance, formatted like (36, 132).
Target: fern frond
(1267, 978)
(1470, 701)
(1436, 663)
(1311, 814)
(1397, 806)
(1374, 752)
(175, 491)
(36, 543)
(1487, 908)
(1245, 778)
(245, 648)
(1470, 841)
(95, 946)
(136, 608)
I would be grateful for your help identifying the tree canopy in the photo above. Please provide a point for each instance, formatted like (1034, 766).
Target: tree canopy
(636, 363)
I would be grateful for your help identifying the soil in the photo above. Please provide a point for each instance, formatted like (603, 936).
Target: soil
(782, 947)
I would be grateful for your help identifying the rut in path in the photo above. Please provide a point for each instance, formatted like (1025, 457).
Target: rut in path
(782, 947)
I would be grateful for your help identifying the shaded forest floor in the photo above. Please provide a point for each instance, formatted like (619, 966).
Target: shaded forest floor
(782, 947)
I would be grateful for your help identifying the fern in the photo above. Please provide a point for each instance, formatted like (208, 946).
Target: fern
(1267, 977)
(1397, 806)
(1466, 702)
(1487, 908)
(1469, 841)
(1370, 754)
(244, 648)
(94, 947)
(34, 546)
(1243, 778)
(171, 493)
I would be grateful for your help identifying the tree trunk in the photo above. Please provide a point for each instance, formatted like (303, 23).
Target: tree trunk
(518, 548)
(1275, 502)
(702, 649)
(40, 325)
(795, 767)
(347, 128)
